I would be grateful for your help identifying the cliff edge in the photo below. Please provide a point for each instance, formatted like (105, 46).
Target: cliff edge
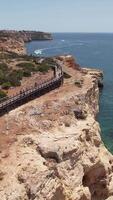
(14, 41)
(51, 147)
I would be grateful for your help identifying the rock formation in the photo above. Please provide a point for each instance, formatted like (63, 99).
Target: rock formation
(51, 147)
(14, 41)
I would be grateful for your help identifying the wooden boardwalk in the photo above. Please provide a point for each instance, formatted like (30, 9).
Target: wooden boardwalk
(31, 93)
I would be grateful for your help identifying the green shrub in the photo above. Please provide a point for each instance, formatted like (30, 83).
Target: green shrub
(3, 67)
(2, 76)
(49, 61)
(43, 68)
(30, 67)
(16, 73)
(26, 73)
(2, 94)
(10, 77)
(4, 70)
(26, 65)
(15, 81)
(15, 77)
(9, 55)
(6, 85)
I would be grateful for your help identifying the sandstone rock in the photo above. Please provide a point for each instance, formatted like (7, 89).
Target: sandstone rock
(58, 157)
(70, 62)
(14, 41)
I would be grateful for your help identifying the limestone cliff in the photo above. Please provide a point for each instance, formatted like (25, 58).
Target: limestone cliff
(51, 147)
(14, 41)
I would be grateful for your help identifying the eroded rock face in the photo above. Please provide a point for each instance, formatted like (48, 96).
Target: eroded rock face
(56, 155)
(14, 41)
(69, 61)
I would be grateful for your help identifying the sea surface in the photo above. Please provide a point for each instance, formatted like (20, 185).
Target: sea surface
(90, 49)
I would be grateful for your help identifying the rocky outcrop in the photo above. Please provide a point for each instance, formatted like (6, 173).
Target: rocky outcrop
(12, 45)
(26, 35)
(14, 41)
(54, 149)
(69, 61)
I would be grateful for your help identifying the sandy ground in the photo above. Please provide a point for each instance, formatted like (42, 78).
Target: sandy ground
(9, 128)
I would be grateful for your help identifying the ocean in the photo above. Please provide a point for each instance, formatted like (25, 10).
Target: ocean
(94, 50)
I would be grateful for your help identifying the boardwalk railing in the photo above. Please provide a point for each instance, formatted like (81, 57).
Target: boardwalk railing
(31, 93)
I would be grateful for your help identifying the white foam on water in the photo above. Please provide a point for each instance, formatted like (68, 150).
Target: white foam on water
(81, 44)
(40, 51)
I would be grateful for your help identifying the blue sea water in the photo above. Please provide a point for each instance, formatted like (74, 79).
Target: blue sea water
(90, 49)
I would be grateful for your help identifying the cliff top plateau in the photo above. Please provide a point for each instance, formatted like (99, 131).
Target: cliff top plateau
(50, 148)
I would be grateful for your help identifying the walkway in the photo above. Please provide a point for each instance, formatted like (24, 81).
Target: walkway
(33, 92)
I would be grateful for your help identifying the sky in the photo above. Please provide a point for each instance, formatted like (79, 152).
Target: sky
(57, 15)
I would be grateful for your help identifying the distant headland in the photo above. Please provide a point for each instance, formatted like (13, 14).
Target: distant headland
(14, 41)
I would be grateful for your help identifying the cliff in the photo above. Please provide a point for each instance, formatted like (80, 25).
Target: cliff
(51, 147)
(14, 41)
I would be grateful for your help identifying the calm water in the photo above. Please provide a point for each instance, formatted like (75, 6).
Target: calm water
(93, 50)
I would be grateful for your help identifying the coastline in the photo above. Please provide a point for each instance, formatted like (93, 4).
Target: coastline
(14, 41)
(55, 141)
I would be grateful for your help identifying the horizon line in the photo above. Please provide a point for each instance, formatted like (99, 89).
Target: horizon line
(80, 32)
(99, 32)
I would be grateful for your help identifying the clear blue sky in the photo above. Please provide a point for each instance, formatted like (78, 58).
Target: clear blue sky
(57, 15)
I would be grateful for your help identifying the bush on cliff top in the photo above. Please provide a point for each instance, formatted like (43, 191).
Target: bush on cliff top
(26, 73)
(15, 77)
(31, 67)
(3, 67)
(43, 68)
(6, 85)
(26, 65)
(10, 77)
(2, 94)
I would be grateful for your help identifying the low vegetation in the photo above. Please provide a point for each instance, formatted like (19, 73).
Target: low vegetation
(30, 67)
(6, 85)
(25, 66)
(2, 94)
(9, 77)
(8, 55)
